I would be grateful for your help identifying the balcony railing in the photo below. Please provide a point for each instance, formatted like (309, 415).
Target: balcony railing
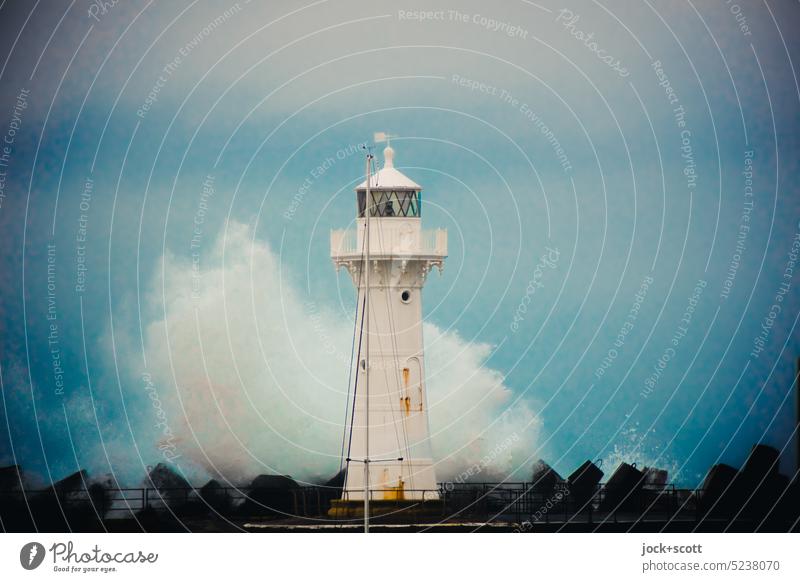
(428, 243)
(343, 242)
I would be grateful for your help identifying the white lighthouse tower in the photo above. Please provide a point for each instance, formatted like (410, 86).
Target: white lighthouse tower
(388, 431)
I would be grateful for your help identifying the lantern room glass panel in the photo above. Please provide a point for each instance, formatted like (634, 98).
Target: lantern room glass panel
(391, 203)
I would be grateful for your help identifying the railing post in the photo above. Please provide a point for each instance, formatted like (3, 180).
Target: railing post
(697, 509)
(673, 502)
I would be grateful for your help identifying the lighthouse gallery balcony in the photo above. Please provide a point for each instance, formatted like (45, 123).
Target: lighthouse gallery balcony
(348, 245)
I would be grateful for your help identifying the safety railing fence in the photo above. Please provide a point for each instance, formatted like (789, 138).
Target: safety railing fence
(514, 502)
(527, 503)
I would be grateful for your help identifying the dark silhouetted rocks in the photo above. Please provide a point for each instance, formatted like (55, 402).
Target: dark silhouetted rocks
(545, 479)
(67, 505)
(655, 478)
(583, 482)
(11, 478)
(172, 489)
(756, 498)
(337, 481)
(14, 511)
(759, 485)
(272, 495)
(215, 497)
(716, 495)
(623, 489)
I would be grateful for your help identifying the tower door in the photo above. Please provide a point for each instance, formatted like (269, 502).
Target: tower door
(412, 387)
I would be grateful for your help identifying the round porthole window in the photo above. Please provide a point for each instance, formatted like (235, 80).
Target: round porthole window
(405, 296)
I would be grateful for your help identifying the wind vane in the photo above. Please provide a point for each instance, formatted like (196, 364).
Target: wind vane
(382, 136)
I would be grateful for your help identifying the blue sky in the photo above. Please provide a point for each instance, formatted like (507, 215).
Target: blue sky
(261, 96)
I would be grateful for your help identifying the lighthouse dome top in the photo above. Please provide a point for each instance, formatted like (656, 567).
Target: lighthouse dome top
(388, 177)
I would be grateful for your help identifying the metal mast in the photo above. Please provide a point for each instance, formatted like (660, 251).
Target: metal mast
(368, 210)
